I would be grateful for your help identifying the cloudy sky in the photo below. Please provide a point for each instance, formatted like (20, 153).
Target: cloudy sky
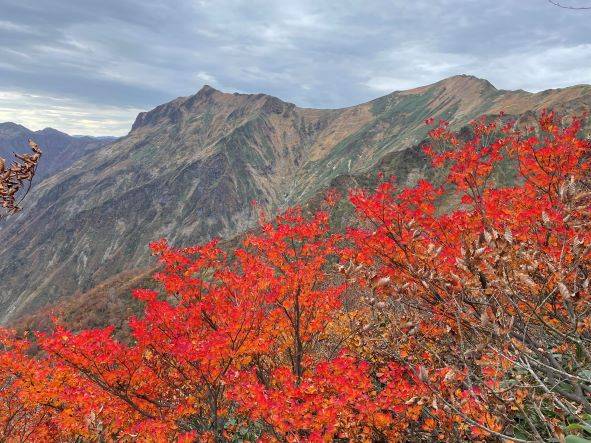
(89, 66)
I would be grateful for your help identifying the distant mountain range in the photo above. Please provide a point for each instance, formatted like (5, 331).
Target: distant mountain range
(60, 150)
(189, 169)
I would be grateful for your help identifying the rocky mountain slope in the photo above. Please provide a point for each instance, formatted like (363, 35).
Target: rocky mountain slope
(189, 169)
(60, 150)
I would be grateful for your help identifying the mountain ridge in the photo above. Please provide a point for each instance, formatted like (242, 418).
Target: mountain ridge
(189, 168)
(60, 149)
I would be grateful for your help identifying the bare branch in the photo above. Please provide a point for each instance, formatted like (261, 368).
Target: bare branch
(555, 3)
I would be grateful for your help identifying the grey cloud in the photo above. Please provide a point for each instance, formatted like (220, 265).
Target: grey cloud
(106, 59)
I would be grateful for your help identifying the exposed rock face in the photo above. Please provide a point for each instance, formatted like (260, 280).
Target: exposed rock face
(189, 169)
(60, 150)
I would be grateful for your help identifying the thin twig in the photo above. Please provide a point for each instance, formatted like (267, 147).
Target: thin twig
(555, 3)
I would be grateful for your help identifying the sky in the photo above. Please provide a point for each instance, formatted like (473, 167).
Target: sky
(89, 66)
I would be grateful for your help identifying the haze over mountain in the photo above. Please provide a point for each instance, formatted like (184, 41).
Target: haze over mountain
(60, 150)
(189, 169)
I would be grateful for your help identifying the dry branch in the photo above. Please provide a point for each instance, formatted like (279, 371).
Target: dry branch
(16, 177)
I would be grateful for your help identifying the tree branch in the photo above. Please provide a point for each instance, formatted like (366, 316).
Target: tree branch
(555, 3)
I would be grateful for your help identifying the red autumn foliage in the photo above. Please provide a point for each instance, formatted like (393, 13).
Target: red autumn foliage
(420, 323)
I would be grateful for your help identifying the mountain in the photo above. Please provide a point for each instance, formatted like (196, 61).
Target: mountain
(60, 150)
(189, 169)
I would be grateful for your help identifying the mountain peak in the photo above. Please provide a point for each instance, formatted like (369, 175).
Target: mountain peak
(206, 89)
(172, 109)
(13, 127)
(50, 131)
(464, 80)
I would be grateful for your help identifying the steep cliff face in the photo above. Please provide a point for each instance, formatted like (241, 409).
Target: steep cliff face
(60, 150)
(189, 169)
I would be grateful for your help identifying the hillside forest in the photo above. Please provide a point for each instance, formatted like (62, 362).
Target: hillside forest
(454, 310)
